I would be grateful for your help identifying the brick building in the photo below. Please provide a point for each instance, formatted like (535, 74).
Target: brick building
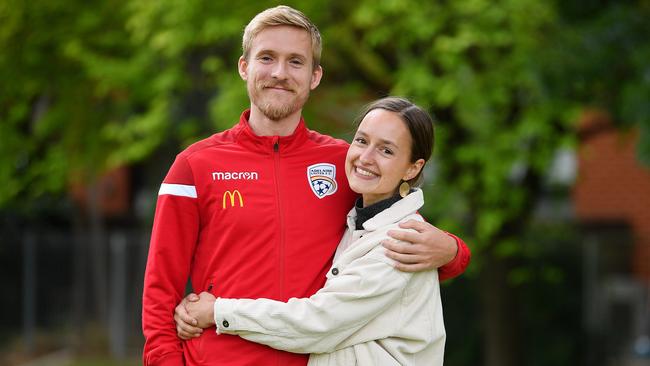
(611, 199)
(613, 186)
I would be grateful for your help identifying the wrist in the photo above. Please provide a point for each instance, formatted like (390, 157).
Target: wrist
(452, 244)
(212, 321)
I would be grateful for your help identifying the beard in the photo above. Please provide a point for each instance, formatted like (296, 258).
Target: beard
(273, 108)
(276, 112)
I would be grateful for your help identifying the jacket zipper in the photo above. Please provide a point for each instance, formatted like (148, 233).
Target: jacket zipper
(278, 197)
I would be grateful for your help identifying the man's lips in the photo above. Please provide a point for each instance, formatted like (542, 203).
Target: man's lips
(277, 87)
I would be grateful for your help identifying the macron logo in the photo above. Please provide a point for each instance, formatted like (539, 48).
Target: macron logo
(234, 176)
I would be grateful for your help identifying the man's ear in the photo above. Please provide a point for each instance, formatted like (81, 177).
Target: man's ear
(316, 75)
(242, 67)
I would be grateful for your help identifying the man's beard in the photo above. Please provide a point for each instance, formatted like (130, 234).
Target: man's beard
(275, 111)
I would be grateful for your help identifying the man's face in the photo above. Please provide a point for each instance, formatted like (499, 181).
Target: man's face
(279, 73)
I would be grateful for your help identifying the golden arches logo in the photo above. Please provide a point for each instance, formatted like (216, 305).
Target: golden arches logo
(231, 196)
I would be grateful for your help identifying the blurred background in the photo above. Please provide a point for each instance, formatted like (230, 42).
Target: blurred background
(542, 160)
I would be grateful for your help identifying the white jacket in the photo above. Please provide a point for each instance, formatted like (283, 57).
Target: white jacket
(368, 313)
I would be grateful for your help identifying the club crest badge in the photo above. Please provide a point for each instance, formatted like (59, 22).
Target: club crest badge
(322, 179)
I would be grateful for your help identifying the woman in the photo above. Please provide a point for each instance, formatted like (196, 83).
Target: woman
(368, 312)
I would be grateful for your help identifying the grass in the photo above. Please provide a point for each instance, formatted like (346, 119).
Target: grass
(104, 362)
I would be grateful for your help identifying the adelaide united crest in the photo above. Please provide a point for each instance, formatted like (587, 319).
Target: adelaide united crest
(322, 179)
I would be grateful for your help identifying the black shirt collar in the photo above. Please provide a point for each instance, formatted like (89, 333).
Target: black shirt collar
(366, 213)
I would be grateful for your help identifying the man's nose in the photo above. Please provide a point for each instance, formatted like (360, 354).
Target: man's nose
(279, 71)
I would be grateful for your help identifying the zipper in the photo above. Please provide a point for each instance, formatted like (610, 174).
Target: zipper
(210, 285)
(278, 199)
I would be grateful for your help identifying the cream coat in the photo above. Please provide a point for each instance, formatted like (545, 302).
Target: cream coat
(368, 313)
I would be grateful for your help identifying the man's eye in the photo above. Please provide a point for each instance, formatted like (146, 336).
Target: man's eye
(387, 151)
(360, 140)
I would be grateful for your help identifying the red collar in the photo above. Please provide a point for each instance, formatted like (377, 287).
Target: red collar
(248, 138)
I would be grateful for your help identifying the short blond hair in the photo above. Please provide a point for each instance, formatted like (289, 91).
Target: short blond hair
(282, 15)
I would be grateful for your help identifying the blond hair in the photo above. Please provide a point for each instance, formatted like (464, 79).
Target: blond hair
(282, 15)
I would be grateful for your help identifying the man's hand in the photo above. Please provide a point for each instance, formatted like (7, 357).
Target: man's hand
(426, 249)
(186, 326)
(202, 310)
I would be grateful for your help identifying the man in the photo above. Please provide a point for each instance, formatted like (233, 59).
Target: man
(258, 210)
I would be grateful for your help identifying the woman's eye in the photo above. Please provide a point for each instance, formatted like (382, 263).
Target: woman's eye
(360, 140)
(387, 151)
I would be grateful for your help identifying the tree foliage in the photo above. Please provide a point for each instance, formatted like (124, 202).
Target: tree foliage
(92, 85)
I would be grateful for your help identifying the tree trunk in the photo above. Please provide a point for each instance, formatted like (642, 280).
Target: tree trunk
(80, 280)
(98, 254)
(502, 338)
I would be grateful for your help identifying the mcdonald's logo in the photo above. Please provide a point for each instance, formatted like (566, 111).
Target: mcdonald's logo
(231, 196)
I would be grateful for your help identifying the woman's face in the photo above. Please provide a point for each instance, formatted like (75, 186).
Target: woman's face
(379, 156)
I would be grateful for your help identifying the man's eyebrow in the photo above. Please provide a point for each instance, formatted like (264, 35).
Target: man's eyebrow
(264, 51)
(273, 53)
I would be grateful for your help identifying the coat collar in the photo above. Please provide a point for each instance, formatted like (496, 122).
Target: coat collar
(399, 210)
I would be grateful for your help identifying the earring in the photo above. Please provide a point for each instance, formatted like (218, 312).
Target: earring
(404, 189)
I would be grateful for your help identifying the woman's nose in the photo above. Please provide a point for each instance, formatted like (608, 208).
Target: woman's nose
(366, 156)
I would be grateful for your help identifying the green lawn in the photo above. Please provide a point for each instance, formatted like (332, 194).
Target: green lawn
(100, 362)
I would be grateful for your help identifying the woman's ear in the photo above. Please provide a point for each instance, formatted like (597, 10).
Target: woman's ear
(413, 170)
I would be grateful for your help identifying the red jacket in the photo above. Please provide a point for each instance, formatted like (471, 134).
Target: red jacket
(245, 216)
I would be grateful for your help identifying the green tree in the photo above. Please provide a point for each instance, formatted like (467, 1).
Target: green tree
(88, 86)
(476, 63)
(601, 59)
(73, 84)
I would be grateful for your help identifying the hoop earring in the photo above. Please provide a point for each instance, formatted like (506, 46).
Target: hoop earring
(404, 189)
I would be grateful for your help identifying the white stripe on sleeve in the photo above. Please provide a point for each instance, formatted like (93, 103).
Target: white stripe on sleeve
(177, 190)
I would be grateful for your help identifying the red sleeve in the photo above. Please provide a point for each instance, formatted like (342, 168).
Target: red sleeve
(173, 240)
(458, 265)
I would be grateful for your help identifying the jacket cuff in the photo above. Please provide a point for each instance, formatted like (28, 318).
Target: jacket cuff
(458, 264)
(457, 258)
(224, 317)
